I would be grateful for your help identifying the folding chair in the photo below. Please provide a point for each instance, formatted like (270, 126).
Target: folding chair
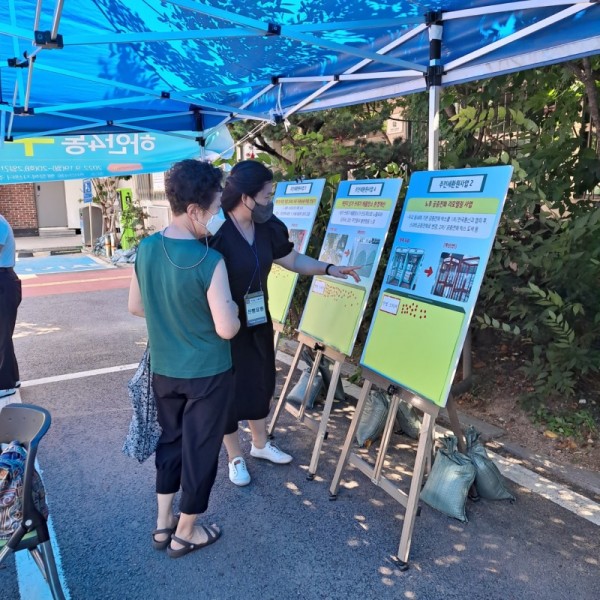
(28, 424)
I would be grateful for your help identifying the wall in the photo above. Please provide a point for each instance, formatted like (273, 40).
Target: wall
(74, 196)
(17, 204)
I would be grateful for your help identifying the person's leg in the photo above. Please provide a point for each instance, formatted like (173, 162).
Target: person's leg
(259, 432)
(203, 427)
(165, 520)
(263, 448)
(170, 406)
(232, 445)
(262, 385)
(188, 531)
(10, 298)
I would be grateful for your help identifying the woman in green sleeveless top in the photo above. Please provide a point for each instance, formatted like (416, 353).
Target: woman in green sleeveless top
(180, 286)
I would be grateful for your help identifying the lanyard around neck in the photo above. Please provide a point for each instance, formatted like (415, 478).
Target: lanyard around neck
(254, 248)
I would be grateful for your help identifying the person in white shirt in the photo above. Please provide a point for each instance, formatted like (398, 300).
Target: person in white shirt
(10, 298)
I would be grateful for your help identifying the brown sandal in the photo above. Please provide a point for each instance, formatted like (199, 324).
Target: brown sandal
(212, 535)
(162, 544)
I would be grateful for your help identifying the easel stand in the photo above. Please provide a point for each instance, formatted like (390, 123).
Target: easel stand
(422, 461)
(319, 426)
(278, 330)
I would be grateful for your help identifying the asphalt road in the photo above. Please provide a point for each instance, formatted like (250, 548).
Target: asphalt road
(282, 537)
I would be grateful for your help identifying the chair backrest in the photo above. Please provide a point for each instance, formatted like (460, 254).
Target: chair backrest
(25, 423)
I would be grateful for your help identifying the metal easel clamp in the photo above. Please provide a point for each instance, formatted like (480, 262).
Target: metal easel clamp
(17, 63)
(43, 39)
(392, 389)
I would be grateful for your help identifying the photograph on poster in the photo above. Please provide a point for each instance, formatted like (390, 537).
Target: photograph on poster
(334, 249)
(455, 276)
(364, 253)
(297, 238)
(405, 264)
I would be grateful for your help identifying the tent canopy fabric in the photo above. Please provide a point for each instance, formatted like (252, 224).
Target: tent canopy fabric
(111, 66)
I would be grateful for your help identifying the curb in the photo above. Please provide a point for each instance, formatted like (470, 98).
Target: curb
(48, 252)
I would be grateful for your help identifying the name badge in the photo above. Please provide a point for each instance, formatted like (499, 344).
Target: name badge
(256, 310)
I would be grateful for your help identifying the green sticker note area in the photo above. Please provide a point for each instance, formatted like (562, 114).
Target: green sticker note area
(414, 341)
(281, 289)
(333, 322)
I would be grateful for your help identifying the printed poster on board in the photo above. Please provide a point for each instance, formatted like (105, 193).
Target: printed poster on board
(433, 276)
(355, 235)
(296, 204)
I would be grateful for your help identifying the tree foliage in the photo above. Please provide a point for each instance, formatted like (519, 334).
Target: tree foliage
(543, 277)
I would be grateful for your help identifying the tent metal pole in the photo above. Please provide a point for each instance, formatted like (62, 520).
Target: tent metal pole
(363, 63)
(57, 16)
(509, 7)
(434, 83)
(38, 13)
(29, 78)
(433, 154)
(517, 35)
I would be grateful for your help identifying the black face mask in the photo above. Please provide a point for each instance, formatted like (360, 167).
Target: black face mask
(261, 213)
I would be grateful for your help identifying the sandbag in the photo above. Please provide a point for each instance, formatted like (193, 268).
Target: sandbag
(326, 370)
(448, 483)
(296, 395)
(372, 419)
(488, 479)
(407, 420)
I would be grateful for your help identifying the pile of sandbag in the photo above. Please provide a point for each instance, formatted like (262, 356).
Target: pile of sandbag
(453, 473)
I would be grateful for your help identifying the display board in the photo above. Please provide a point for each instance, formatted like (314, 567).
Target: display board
(355, 235)
(296, 204)
(434, 273)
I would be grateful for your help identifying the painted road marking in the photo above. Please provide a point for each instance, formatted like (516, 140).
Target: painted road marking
(60, 264)
(32, 584)
(78, 375)
(69, 281)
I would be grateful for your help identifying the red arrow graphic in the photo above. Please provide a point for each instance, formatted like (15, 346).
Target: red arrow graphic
(428, 271)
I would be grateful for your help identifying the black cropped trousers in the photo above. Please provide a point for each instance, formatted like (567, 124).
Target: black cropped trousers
(192, 414)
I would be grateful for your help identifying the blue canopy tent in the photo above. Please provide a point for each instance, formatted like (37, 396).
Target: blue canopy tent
(103, 67)
(111, 66)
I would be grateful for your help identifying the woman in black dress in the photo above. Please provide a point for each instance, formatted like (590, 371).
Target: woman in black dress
(251, 240)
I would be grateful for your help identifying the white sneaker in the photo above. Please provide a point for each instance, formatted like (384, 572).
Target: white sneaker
(9, 392)
(238, 472)
(271, 452)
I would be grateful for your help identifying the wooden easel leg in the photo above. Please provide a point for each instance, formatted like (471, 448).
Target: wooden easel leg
(322, 433)
(385, 438)
(415, 490)
(313, 373)
(284, 390)
(343, 461)
(455, 423)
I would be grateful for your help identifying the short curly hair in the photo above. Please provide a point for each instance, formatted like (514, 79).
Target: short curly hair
(192, 182)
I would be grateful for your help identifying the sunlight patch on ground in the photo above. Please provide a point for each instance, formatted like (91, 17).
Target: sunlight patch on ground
(23, 330)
